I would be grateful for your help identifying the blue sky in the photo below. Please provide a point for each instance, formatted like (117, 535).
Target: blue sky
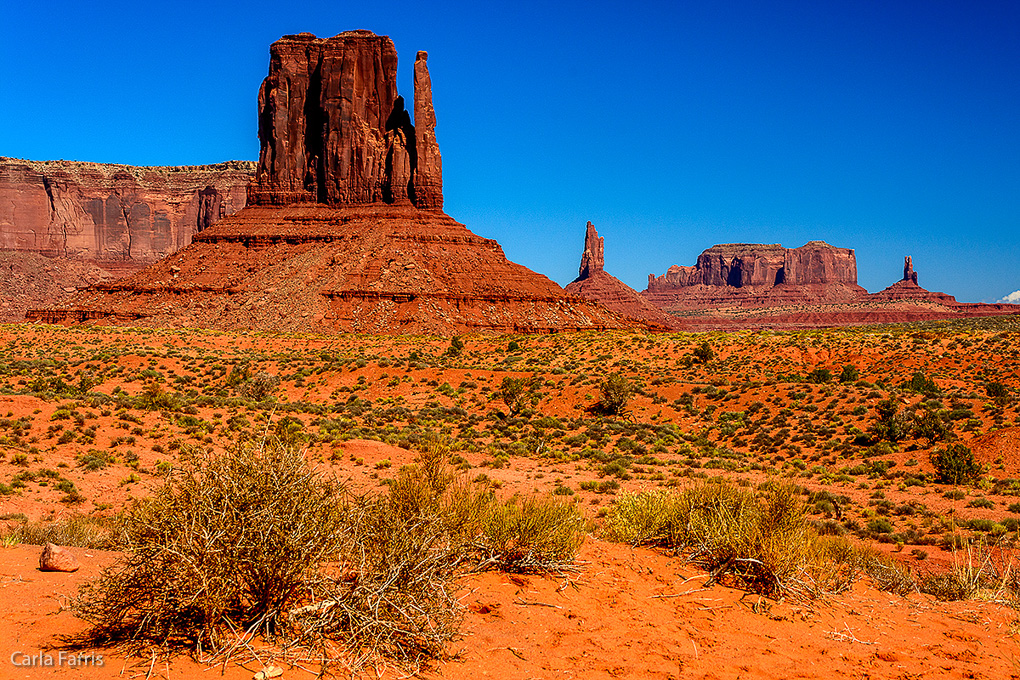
(889, 127)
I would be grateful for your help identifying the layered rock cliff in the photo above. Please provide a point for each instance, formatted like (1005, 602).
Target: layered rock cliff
(759, 275)
(333, 129)
(113, 214)
(595, 284)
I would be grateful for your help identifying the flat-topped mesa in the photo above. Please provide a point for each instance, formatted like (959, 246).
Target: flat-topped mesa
(333, 129)
(762, 266)
(759, 275)
(119, 216)
(593, 258)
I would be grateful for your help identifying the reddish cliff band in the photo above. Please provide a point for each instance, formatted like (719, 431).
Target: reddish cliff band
(114, 215)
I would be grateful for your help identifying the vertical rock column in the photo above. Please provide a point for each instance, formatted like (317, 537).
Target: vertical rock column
(428, 176)
(593, 259)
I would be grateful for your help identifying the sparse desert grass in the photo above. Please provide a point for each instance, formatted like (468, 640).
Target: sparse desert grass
(83, 531)
(760, 538)
(851, 413)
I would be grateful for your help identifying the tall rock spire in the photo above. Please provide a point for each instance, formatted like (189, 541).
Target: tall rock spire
(908, 270)
(428, 178)
(593, 258)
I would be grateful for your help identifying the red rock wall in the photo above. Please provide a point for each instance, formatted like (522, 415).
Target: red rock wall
(818, 262)
(113, 213)
(761, 267)
(333, 129)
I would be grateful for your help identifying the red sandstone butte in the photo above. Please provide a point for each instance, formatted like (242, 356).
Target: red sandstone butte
(334, 130)
(759, 275)
(117, 216)
(344, 230)
(594, 283)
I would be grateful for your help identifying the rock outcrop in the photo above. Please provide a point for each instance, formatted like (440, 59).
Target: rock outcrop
(594, 283)
(758, 275)
(345, 230)
(334, 131)
(118, 216)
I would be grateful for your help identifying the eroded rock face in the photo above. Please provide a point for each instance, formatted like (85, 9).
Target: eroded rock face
(113, 213)
(333, 129)
(751, 274)
(743, 265)
(428, 175)
(908, 270)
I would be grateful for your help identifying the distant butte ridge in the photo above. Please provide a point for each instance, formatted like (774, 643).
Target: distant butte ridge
(344, 228)
(768, 286)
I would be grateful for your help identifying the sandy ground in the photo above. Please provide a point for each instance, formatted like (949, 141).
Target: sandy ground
(628, 613)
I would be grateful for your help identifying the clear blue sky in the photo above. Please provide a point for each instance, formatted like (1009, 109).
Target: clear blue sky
(890, 127)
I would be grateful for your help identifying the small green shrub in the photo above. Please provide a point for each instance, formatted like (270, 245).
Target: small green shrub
(614, 393)
(955, 464)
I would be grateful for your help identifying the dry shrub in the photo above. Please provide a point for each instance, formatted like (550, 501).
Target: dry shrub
(392, 591)
(884, 572)
(762, 538)
(520, 534)
(531, 534)
(256, 541)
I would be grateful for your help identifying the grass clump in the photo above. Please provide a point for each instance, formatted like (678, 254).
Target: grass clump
(978, 572)
(759, 538)
(520, 534)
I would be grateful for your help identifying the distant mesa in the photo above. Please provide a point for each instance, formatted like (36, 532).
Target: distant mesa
(344, 230)
(593, 283)
(752, 274)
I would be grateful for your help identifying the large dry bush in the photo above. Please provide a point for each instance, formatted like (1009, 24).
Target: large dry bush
(256, 541)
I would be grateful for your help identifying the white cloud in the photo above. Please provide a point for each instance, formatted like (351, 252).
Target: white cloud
(1012, 297)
